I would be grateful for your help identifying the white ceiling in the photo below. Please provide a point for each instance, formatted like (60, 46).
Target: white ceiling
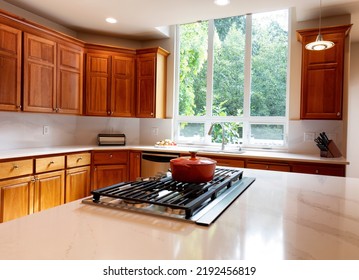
(140, 19)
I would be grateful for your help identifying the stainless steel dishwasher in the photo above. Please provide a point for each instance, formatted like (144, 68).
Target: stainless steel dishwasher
(153, 163)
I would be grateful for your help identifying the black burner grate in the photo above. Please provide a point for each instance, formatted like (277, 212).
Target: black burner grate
(188, 197)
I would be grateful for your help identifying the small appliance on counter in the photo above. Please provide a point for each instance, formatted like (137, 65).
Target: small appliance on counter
(111, 139)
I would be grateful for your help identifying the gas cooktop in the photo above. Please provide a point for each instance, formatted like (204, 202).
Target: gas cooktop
(200, 203)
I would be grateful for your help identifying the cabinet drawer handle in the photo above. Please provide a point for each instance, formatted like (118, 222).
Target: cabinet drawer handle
(15, 166)
(80, 158)
(51, 162)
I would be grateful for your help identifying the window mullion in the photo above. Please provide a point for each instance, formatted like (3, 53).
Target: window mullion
(209, 95)
(247, 79)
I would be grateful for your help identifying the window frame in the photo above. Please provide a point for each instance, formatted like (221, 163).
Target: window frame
(246, 119)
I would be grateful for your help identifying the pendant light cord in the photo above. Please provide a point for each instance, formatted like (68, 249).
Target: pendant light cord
(320, 16)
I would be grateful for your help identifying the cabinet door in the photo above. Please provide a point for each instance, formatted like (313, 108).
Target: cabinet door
(16, 198)
(323, 75)
(146, 83)
(49, 190)
(39, 74)
(69, 80)
(135, 165)
(107, 175)
(10, 68)
(98, 68)
(122, 88)
(77, 183)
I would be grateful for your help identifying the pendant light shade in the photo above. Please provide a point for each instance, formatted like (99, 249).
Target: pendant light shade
(319, 44)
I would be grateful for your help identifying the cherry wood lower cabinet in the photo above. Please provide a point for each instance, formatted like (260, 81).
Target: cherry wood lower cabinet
(78, 182)
(320, 169)
(26, 195)
(49, 190)
(16, 198)
(78, 176)
(109, 167)
(268, 166)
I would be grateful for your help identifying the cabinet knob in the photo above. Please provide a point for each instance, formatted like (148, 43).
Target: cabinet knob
(151, 113)
(110, 156)
(338, 114)
(316, 171)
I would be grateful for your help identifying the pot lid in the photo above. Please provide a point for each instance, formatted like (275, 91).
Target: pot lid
(193, 159)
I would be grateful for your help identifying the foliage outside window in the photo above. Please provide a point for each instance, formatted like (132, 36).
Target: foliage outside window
(233, 71)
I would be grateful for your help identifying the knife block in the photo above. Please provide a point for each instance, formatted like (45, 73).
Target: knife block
(332, 152)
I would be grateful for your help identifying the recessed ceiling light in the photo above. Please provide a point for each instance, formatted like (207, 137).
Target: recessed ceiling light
(222, 2)
(111, 20)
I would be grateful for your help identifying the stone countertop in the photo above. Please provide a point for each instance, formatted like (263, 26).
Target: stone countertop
(253, 154)
(280, 216)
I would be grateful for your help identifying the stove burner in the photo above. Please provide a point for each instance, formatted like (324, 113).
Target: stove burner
(196, 202)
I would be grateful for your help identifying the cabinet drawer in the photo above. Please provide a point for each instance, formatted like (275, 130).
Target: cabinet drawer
(268, 166)
(228, 162)
(111, 157)
(332, 170)
(49, 164)
(80, 159)
(16, 168)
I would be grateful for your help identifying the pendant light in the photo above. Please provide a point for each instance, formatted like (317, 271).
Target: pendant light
(319, 44)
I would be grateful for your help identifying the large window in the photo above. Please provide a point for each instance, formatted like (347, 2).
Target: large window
(233, 71)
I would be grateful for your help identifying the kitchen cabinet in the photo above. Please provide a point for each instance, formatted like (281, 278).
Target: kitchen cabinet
(52, 76)
(69, 79)
(135, 165)
(16, 198)
(319, 169)
(16, 189)
(10, 68)
(110, 83)
(226, 161)
(151, 83)
(39, 74)
(78, 176)
(323, 74)
(267, 165)
(109, 167)
(49, 188)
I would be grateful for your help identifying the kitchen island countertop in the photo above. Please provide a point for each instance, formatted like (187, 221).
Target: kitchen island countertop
(280, 216)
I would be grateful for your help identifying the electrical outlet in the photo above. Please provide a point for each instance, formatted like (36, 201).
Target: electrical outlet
(45, 130)
(154, 131)
(309, 136)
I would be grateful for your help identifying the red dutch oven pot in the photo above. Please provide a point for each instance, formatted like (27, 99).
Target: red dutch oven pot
(193, 169)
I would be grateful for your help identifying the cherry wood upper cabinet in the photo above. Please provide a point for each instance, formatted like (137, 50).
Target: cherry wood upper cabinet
(53, 76)
(123, 86)
(110, 83)
(97, 84)
(151, 83)
(323, 74)
(39, 74)
(10, 68)
(69, 79)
